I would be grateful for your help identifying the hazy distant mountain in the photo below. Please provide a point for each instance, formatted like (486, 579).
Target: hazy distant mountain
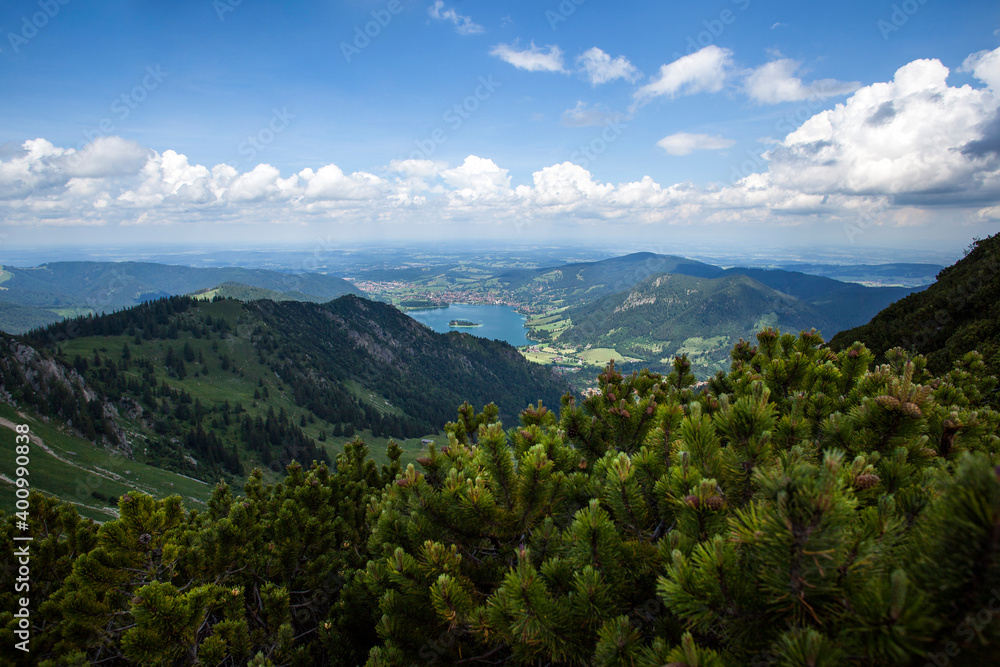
(900, 273)
(55, 288)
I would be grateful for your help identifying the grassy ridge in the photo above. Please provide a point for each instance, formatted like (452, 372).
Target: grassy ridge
(89, 477)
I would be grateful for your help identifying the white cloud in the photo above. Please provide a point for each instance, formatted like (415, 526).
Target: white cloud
(463, 24)
(108, 156)
(775, 82)
(532, 59)
(684, 143)
(702, 71)
(477, 179)
(985, 66)
(599, 67)
(564, 185)
(914, 135)
(990, 213)
(584, 115)
(331, 183)
(255, 185)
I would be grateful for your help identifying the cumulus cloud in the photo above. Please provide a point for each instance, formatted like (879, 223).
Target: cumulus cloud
(905, 136)
(463, 24)
(599, 67)
(532, 59)
(702, 71)
(985, 66)
(477, 179)
(585, 115)
(331, 183)
(564, 185)
(684, 143)
(775, 82)
(107, 156)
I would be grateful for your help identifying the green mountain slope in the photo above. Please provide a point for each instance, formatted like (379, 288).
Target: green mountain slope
(674, 314)
(211, 389)
(955, 315)
(104, 286)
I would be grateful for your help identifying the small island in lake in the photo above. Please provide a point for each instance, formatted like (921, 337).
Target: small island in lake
(464, 323)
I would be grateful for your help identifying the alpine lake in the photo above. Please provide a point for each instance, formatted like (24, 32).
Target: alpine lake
(496, 322)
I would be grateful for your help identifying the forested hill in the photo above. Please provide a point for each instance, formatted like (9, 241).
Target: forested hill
(426, 374)
(663, 311)
(56, 289)
(704, 317)
(590, 280)
(230, 385)
(955, 315)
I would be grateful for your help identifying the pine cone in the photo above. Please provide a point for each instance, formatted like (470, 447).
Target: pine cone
(715, 502)
(911, 410)
(424, 461)
(866, 481)
(890, 402)
(145, 538)
(403, 482)
(692, 501)
(928, 452)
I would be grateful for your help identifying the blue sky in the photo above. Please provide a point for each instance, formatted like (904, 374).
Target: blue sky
(278, 123)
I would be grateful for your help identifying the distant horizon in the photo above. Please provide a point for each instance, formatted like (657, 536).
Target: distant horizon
(304, 258)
